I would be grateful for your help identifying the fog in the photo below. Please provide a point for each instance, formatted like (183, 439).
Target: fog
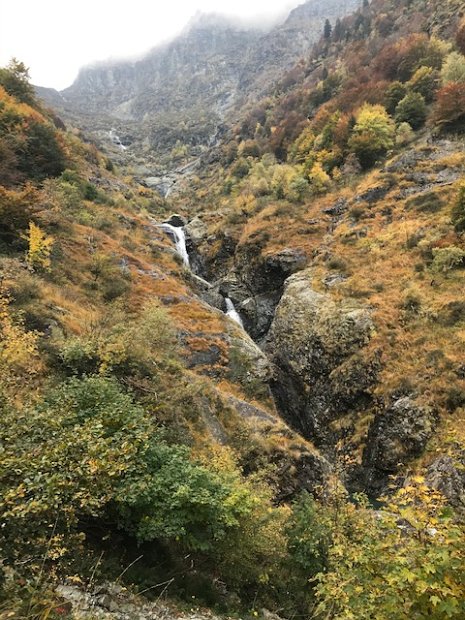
(55, 38)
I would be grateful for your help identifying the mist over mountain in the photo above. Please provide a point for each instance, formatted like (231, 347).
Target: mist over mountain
(186, 89)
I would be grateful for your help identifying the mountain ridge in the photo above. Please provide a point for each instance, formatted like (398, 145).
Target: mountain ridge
(215, 65)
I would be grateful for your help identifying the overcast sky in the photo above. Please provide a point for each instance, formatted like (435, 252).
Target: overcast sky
(54, 38)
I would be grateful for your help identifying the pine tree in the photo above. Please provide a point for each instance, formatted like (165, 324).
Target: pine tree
(327, 29)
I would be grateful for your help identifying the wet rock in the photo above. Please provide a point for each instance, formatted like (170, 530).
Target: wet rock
(305, 471)
(397, 435)
(176, 220)
(206, 291)
(220, 265)
(264, 277)
(258, 313)
(317, 345)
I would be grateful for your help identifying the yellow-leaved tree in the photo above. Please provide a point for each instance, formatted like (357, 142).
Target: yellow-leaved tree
(39, 248)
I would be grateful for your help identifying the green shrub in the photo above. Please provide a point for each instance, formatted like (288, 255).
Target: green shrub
(377, 569)
(394, 93)
(446, 259)
(412, 110)
(424, 81)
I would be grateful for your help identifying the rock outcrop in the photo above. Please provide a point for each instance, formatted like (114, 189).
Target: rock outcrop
(447, 475)
(323, 373)
(398, 434)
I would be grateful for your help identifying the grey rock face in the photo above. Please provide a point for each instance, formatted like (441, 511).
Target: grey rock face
(214, 65)
(447, 475)
(398, 434)
(263, 277)
(317, 346)
(176, 220)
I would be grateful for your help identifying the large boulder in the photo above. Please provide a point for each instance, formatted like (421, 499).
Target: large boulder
(263, 276)
(323, 371)
(398, 434)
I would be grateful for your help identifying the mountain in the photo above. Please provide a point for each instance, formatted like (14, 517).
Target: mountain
(182, 92)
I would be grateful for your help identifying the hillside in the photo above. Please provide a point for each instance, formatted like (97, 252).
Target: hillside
(309, 462)
(365, 217)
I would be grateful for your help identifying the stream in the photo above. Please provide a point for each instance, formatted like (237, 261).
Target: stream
(177, 234)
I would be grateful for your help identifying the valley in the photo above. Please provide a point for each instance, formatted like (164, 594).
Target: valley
(232, 319)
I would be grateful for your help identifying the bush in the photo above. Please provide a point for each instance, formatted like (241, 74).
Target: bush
(458, 210)
(64, 460)
(411, 110)
(89, 458)
(115, 344)
(42, 155)
(373, 134)
(453, 69)
(450, 104)
(16, 209)
(319, 179)
(446, 259)
(425, 82)
(404, 134)
(422, 578)
(241, 168)
(395, 93)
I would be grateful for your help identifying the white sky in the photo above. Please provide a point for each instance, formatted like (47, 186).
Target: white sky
(54, 38)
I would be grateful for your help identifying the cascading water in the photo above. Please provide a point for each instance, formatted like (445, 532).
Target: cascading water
(232, 312)
(179, 237)
(116, 139)
(177, 233)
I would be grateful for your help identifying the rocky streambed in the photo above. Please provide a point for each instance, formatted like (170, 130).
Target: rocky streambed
(324, 371)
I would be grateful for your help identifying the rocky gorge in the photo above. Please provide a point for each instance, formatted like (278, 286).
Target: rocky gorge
(232, 324)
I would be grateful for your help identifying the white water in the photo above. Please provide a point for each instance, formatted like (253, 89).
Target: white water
(179, 237)
(232, 312)
(177, 233)
(116, 139)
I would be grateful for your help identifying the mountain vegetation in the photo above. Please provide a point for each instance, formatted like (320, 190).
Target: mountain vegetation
(311, 467)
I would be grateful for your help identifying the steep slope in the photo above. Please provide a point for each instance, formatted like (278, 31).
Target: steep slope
(141, 443)
(123, 387)
(368, 339)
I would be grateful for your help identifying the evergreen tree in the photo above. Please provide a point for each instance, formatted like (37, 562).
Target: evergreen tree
(327, 29)
(15, 80)
(338, 30)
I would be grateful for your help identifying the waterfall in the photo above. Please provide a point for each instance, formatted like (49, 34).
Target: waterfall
(232, 312)
(116, 139)
(177, 233)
